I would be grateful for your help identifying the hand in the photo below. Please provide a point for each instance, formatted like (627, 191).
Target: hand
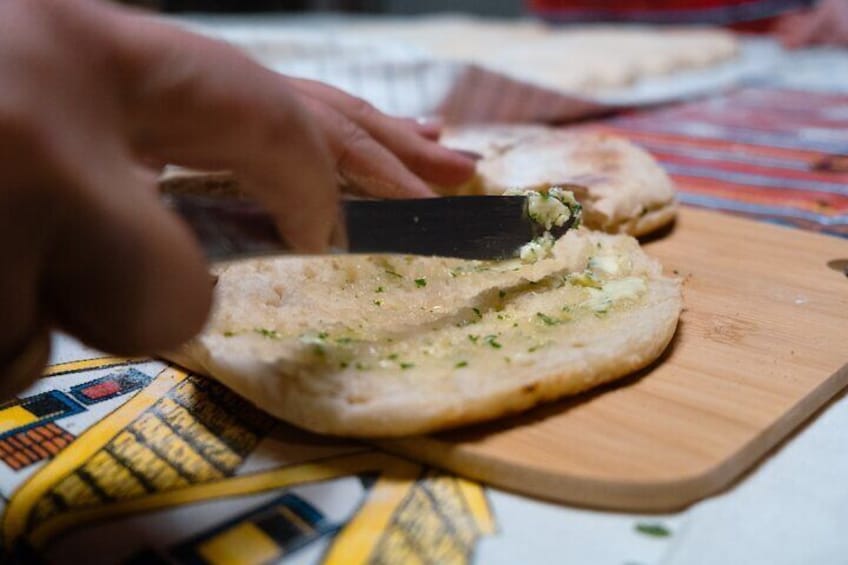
(378, 154)
(827, 23)
(90, 94)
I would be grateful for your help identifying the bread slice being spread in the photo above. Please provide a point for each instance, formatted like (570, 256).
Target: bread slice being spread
(395, 345)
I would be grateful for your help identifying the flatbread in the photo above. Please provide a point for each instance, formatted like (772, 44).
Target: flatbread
(592, 59)
(394, 345)
(622, 188)
(582, 59)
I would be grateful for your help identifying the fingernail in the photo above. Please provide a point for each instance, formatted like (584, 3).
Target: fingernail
(429, 128)
(429, 121)
(473, 155)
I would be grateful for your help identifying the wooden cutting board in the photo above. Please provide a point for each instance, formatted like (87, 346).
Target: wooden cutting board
(761, 345)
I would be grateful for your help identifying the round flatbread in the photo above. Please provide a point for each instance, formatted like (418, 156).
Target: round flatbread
(601, 58)
(621, 186)
(584, 58)
(386, 346)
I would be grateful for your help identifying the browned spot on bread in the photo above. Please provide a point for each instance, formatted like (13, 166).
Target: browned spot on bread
(530, 388)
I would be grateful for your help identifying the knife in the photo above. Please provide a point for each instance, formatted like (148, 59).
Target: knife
(469, 227)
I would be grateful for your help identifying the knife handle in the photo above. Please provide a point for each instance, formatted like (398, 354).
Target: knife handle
(228, 228)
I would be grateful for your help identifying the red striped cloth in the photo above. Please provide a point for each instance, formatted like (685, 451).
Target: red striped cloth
(774, 155)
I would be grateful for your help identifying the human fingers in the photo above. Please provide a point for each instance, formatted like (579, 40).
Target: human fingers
(78, 242)
(793, 30)
(362, 163)
(418, 152)
(427, 127)
(24, 232)
(800, 29)
(122, 273)
(88, 248)
(827, 23)
(835, 14)
(202, 104)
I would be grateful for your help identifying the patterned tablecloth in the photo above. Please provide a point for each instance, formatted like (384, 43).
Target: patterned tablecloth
(108, 459)
(769, 153)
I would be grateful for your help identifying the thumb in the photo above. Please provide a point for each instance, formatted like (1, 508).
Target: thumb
(124, 274)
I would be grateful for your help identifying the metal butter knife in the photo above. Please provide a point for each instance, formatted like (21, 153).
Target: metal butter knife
(471, 227)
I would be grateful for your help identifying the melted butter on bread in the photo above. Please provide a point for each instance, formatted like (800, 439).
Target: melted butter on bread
(417, 314)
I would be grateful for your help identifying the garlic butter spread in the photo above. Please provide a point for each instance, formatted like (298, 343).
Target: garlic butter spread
(539, 248)
(548, 209)
(552, 208)
(605, 264)
(423, 315)
(601, 299)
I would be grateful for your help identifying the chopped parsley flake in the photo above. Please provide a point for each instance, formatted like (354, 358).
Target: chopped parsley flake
(343, 365)
(420, 283)
(461, 364)
(229, 334)
(654, 530)
(548, 321)
(265, 332)
(501, 293)
(394, 274)
(405, 366)
(392, 357)
(378, 289)
(378, 302)
(492, 341)
(323, 335)
(473, 338)
(477, 312)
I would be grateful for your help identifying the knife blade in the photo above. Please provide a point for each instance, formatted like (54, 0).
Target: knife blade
(469, 227)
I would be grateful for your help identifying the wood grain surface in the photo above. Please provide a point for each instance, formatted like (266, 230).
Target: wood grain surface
(762, 344)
